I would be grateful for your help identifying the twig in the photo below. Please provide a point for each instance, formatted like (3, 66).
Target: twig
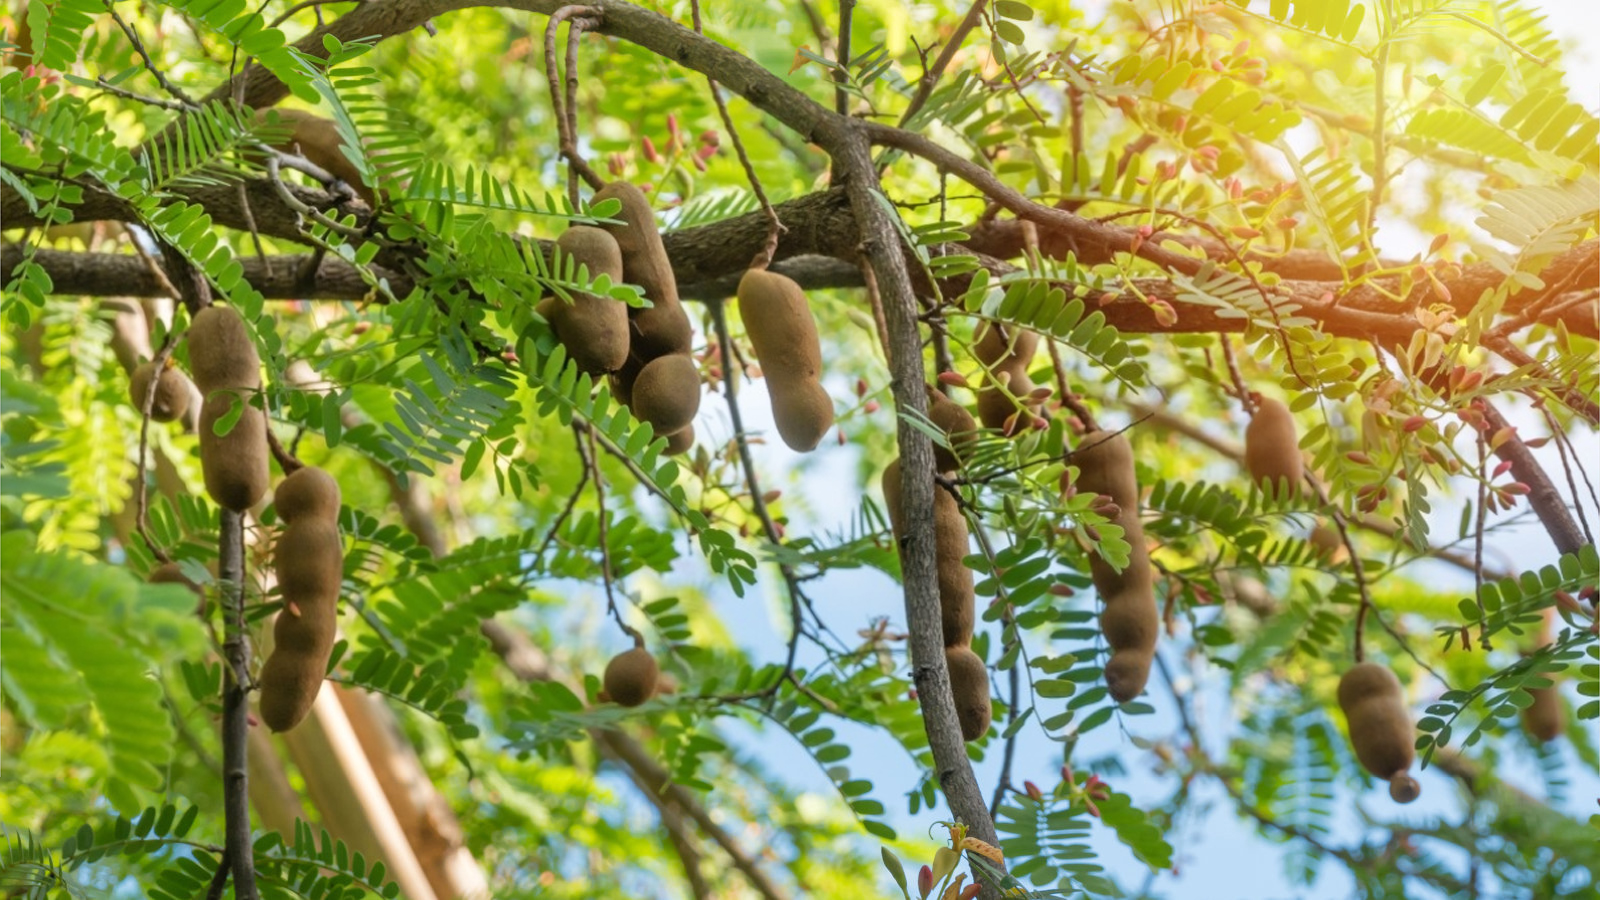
(581, 17)
(758, 503)
(931, 77)
(841, 99)
(561, 518)
(293, 202)
(1068, 398)
(775, 227)
(236, 707)
(588, 455)
(1477, 543)
(287, 461)
(141, 500)
(219, 880)
(1563, 447)
(149, 64)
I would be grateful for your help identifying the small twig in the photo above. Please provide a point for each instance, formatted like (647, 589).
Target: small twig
(293, 202)
(1241, 390)
(775, 227)
(592, 464)
(1564, 447)
(566, 512)
(141, 500)
(1477, 543)
(287, 461)
(219, 880)
(1069, 399)
(875, 299)
(582, 17)
(841, 99)
(930, 78)
(149, 64)
(758, 503)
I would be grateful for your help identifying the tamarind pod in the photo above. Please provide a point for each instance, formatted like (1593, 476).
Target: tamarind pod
(1546, 719)
(1328, 544)
(1381, 730)
(1005, 347)
(318, 140)
(594, 329)
(958, 426)
(1403, 788)
(1130, 620)
(667, 393)
(623, 379)
(234, 464)
(951, 543)
(630, 677)
(969, 686)
(803, 413)
(663, 328)
(172, 391)
(308, 560)
(781, 328)
(680, 441)
(1127, 672)
(221, 354)
(307, 493)
(957, 606)
(1272, 447)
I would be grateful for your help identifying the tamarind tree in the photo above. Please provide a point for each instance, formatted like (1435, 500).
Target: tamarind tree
(1214, 351)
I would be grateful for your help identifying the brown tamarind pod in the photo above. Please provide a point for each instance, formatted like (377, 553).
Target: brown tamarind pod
(1130, 621)
(969, 685)
(663, 328)
(594, 329)
(308, 492)
(959, 428)
(631, 676)
(221, 354)
(1006, 357)
(318, 140)
(784, 335)
(623, 379)
(957, 603)
(1328, 544)
(1545, 720)
(680, 441)
(234, 464)
(1272, 447)
(1380, 726)
(308, 560)
(803, 413)
(781, 328)
(667, 393)
(172, 391)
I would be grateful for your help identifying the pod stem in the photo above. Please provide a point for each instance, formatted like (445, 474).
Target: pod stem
(582, 18)
(285, 457)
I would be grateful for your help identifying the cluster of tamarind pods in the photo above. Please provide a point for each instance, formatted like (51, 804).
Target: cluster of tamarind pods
(645, 353)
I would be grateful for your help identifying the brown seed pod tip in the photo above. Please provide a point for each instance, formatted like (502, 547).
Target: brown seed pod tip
(172, 391)
(1272, 448)
(630, 677)
(1403, 788)
(1126, 674)
(969, 685)
(307, 493)
(680, 441)
(667, 393)
(221, 354)
(803, 412)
